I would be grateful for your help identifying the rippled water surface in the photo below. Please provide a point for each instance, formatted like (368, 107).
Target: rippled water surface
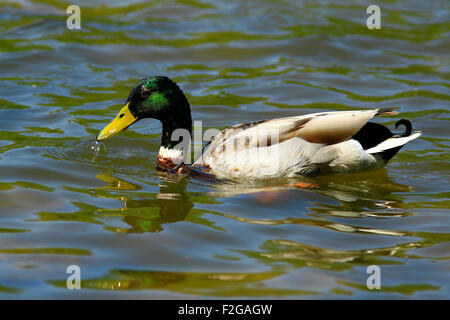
(139, 233)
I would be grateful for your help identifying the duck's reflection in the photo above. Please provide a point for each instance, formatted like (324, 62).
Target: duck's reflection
(335, 207)
(170, 205)
(140, 211)
(213, 284)
(352, 192)
(371, 194)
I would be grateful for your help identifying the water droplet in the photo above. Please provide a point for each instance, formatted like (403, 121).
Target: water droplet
(96, 148)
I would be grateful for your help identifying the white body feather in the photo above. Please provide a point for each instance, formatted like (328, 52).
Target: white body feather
(393, 142)
(309, 144)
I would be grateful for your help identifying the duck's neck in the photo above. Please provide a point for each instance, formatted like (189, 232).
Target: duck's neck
(174, 145)
(169, 139)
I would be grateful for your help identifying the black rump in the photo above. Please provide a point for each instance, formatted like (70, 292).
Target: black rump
(372, 134)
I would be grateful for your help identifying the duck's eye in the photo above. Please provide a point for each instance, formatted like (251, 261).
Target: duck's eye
(144, 92)
(121, 116)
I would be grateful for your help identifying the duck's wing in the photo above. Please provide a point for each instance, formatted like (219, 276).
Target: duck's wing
(335, 127)
(323, 128)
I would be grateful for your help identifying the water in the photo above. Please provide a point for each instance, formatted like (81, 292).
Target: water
(139, 233)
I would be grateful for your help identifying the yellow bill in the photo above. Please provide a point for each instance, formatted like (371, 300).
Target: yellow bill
(122, 121)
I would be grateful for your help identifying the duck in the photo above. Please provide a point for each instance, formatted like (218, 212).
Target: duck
(304, 145)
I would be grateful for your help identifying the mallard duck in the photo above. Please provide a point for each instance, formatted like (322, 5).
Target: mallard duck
(312, 144)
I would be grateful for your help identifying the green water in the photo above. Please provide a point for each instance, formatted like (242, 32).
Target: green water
(139, 233)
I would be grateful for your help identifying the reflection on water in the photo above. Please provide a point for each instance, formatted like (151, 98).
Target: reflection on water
(139, 233)
(356, 196)
(207, 284)
(171, 204)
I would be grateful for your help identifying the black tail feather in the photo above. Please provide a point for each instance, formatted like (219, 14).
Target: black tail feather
(408, 127)
(372, 134)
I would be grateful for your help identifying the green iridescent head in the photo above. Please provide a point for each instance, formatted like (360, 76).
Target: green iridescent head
(155, 97)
